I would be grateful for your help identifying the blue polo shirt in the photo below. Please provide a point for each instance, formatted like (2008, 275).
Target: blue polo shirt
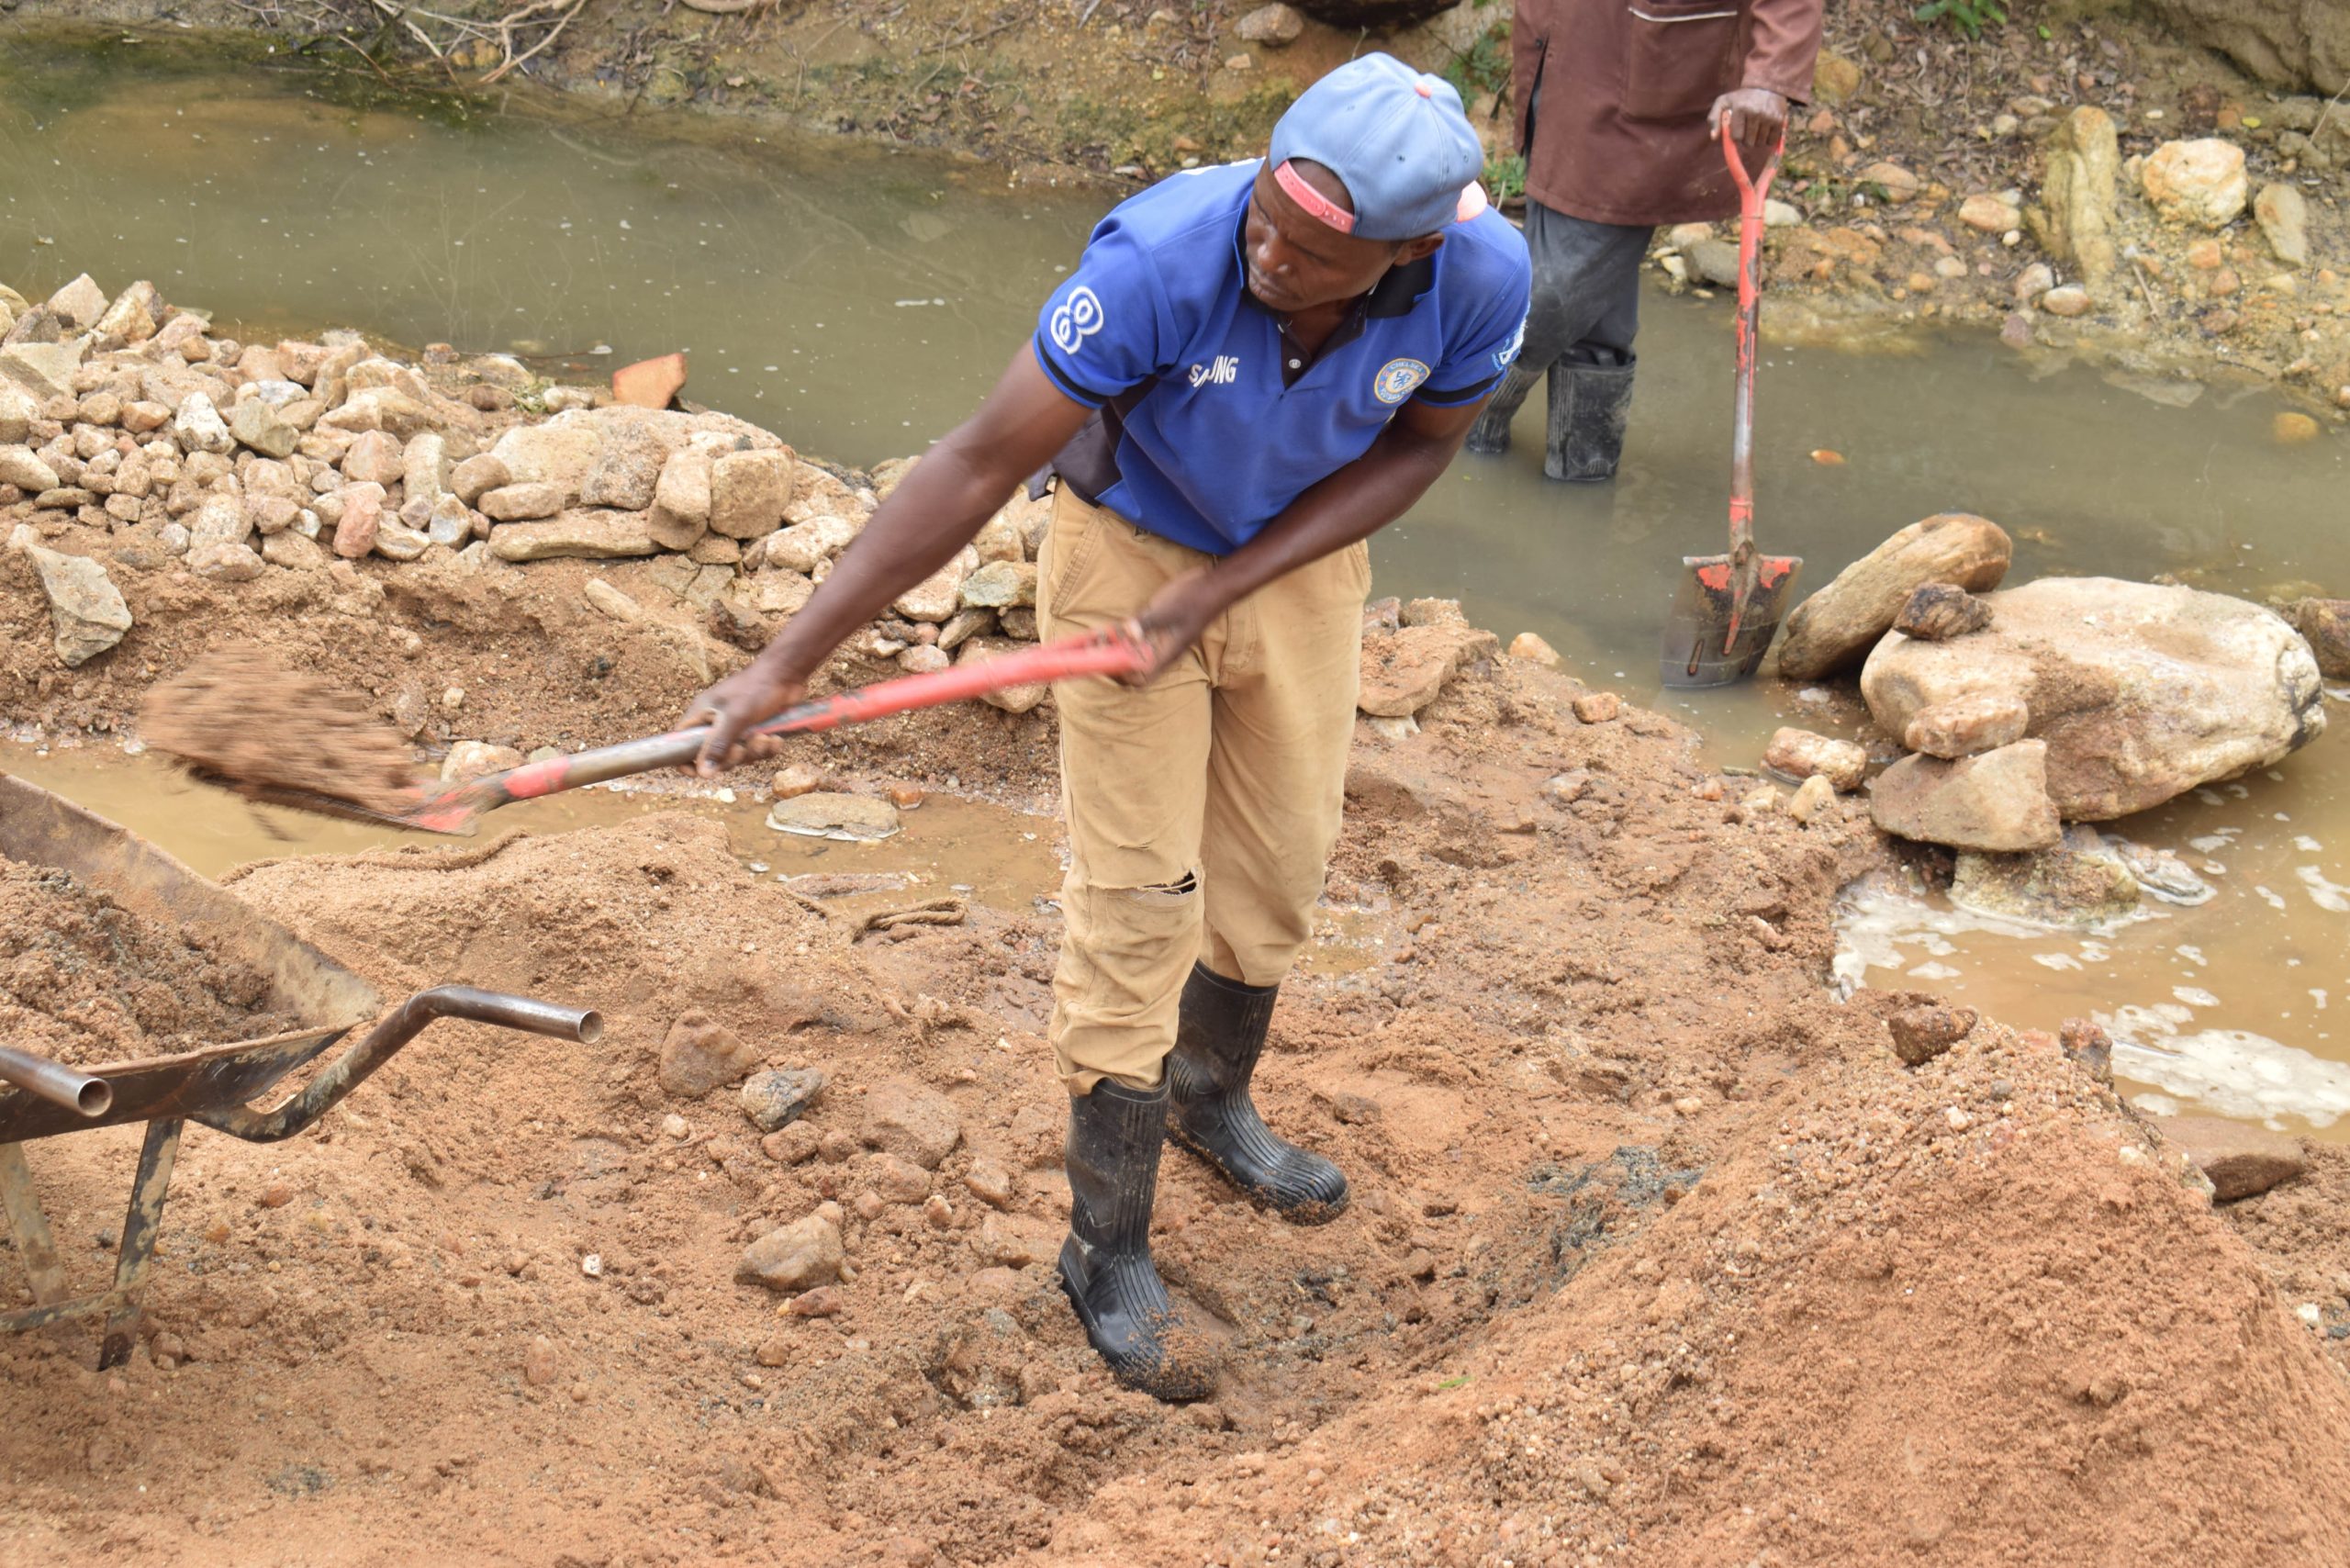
(1209, 422)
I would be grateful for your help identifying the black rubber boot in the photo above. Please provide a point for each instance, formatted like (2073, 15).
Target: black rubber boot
(1490, 435)
(1219, 1036)
(1589, 405)
(1115, 1136)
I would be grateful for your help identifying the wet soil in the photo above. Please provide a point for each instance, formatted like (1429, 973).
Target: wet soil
(240, 717)
(1636, 1203)
(83, 980)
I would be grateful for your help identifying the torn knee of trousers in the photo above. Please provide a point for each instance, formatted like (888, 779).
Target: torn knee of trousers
(1166, 895)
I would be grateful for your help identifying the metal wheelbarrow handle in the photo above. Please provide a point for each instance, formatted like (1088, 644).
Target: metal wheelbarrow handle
(399, 1027)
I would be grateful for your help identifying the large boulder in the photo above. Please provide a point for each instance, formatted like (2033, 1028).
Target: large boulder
(1404, 670)
(2239, 1159)
(2286, 43)
(2141, 692)
(1836, 626)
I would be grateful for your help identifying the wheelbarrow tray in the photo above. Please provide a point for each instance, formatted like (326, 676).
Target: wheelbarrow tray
(213, 1084)
(41, 829)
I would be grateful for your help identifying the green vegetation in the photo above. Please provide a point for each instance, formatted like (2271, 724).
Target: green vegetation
(1969, 16)
(1483, 67)
(1504, 178)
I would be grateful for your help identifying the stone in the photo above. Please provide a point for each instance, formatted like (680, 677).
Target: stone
(804, 546)
(293, 551)
(79, 304)
(361, 521)
(2063, 886)
(962, 626)
(595, 535)
(1022, 698)
(2325, 624)
(540, 1365)
(1531, 648)
(451, 522)
(2139, 692)
(479, 475)
(779, 1096)
(225, 562)
(133, 317)
(794, 1144)
(989, 1182)
(781, 591)
(45, 370)
(468, 760)
(912, 1121)
(2081, 189)
(681, 515)
(2241, 1159)
(86, 614)
(259, 426)
(1834, 77)
(558, 453)
(938, 596)
(1997, 800)
(700, 1053)
(824, 1301)
(999, 539)
(1598, 707)
(2291, 429)
(828, 814)
(1898, 184)
(607, 599)
(649, 383)
(1963, 726)
(1006, 1242)
(23, 468)
(1404, 670)
(397, 542)
(1432, 612)
(1713, 261)
(1924, 1032)
(1812, 797)
(424, 468)
(999, 585)
(197, 427)
(748, 491)
(2283, 219)
(627, 472)
(1272, 26)
(1939, 611)
(924, 658)
(2066, 299)
(1989, 214)
(221, 519)
(1019, 625)
(2200, 182)
(18, 409)
(522, 503)
(1835, 627)
(900, 1180)
(798, 1256)
(1800, 754)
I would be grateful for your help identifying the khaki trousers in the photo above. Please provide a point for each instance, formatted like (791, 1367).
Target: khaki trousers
(1201, 808)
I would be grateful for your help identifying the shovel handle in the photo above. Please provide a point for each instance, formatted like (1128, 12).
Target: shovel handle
(1110, 652)
(1752, 190)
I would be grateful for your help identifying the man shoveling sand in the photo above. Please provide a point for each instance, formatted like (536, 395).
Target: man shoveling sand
(239, 716)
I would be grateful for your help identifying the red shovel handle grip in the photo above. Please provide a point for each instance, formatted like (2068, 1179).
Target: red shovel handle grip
(1752, 190)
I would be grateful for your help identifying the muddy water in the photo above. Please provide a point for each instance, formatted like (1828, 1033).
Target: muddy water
(860, 303)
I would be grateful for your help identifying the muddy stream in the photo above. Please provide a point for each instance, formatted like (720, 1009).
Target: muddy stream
(860, 302)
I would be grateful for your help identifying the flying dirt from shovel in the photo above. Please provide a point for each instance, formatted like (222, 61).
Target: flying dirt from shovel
(239, 718)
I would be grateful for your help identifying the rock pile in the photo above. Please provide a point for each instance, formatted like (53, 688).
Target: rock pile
(131, 416)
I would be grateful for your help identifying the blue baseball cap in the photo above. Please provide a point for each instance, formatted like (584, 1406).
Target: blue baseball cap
(1397, 138)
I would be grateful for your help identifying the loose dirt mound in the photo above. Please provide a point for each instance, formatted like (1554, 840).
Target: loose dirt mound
(1656, 1256)
(82, 980)
(241, 714)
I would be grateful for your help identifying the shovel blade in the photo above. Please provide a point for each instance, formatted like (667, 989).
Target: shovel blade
(1710, 638)
(430, 816)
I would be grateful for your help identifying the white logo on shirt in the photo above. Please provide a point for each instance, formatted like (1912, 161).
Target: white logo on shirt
(1509, 350)
(1077, 318)
(1223, 373)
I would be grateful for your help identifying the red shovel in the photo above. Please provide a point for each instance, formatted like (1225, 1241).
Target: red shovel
(1729, 607)
(452, 808)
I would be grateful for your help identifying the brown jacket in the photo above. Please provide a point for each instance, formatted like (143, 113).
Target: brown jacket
(1624, 87)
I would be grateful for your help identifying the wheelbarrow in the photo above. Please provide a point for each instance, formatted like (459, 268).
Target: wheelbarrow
(216, 1085)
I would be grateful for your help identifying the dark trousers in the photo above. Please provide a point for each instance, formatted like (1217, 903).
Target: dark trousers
(1579, 331)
